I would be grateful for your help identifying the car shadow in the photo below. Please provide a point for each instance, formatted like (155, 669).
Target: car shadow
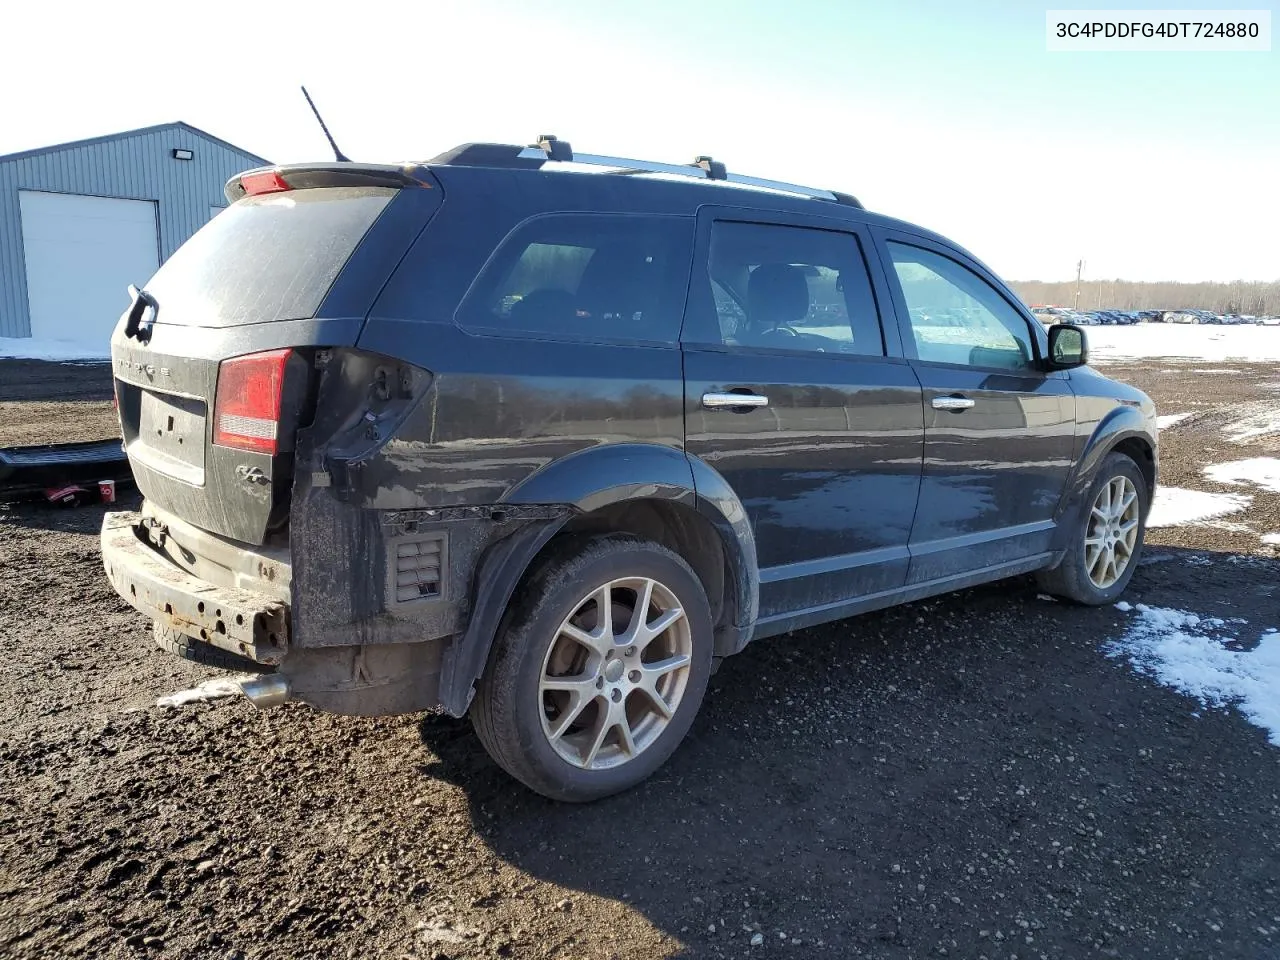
(916, 778)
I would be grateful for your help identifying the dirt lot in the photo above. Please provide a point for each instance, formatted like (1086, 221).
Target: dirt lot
(55, 403)
(969, 776)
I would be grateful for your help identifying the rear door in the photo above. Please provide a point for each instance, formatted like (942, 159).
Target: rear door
(796, 396)
(209, 433)
(999, 429)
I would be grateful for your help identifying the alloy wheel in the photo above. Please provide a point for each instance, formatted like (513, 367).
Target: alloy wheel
(1113, 532)
(615, 673)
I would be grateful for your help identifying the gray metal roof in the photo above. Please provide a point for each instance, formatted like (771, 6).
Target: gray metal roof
(176, 125)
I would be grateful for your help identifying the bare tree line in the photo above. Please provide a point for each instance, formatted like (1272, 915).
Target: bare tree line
(1245, 297)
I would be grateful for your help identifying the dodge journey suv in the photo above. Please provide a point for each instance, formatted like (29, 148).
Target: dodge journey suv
(541, 437)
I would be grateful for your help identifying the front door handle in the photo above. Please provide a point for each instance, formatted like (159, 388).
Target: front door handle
(955, 403)
(723, 401)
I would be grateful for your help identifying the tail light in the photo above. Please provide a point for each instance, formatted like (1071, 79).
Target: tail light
(247, 405)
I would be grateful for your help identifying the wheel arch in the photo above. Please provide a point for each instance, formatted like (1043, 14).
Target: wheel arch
(1138, 449)
(652, 491)
(1125, 430)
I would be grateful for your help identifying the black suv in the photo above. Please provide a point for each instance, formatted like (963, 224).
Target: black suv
(542, 437)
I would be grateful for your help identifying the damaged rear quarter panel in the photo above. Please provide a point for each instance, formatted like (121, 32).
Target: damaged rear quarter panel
(397, 451)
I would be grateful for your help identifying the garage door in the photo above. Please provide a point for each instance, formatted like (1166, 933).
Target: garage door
(81, 253)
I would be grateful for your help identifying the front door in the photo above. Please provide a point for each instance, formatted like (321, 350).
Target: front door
(999, 428)
(794, 396)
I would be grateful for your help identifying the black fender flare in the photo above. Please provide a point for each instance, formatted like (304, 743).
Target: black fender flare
(583, 482)
(1120, 424)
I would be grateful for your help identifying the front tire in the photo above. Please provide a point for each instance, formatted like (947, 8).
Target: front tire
(1103, 552)
(598, 670)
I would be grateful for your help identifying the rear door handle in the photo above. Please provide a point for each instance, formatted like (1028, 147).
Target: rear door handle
(723, 401)
(954, 404)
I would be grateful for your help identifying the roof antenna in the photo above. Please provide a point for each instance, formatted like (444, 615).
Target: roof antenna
(337, 154)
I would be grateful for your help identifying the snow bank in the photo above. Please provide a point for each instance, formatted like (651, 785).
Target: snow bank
(1190, 654)
(1191, 341)
(1174, 506)
(1261, 471)
(25, 348)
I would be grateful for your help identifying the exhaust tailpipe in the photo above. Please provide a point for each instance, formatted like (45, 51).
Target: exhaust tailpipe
(269, 690)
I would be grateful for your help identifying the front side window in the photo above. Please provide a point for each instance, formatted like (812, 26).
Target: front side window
(792, 288)
(586, 276)
(956, 316)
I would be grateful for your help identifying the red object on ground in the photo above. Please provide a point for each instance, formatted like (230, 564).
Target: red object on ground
(68, 495)
(107, 491)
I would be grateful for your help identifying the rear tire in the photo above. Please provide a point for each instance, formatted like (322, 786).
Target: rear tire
(1084, 576)
(578, 709)
(197, 651)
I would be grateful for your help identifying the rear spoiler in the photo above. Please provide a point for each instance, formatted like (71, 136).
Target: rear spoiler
(302, 176)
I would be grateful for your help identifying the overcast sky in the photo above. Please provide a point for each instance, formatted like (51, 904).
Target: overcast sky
(1150, 166)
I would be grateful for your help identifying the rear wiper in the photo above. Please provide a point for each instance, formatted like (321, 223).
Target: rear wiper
(134, 327)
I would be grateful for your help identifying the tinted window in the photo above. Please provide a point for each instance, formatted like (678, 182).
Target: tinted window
(271, 257)
(956, 316)
(791, 288)
(586, 276)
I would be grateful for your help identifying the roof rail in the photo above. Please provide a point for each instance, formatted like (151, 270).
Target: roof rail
(550, 149)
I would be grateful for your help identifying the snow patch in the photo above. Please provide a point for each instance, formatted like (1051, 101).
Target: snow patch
(209, 690)
(1194, 655)
(1262, 424)
(1230, 526)
(1191, 341)
(1271, 538)
(28, 348)
(1175, 506)
(1260, 471)
(1169, 419)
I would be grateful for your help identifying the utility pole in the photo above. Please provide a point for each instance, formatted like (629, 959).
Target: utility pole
(1079, 270)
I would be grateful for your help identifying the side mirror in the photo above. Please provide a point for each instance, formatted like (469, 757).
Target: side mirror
(1068, 346)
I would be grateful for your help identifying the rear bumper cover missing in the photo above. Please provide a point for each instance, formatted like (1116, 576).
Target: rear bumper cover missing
(250, 624)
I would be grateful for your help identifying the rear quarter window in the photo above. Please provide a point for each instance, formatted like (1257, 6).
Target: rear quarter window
(269, 257)
(585, 277)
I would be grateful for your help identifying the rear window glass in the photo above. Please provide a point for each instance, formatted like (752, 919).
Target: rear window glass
(586, 276)
(271, 257)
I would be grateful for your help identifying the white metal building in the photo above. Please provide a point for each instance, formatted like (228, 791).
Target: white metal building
(81, 221)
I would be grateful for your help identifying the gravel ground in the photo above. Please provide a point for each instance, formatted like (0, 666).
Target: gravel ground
(968, 776)
(55, 403)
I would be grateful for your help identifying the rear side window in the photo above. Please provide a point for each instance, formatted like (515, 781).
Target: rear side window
(269, 257)
(790, 288)
(586, 276)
